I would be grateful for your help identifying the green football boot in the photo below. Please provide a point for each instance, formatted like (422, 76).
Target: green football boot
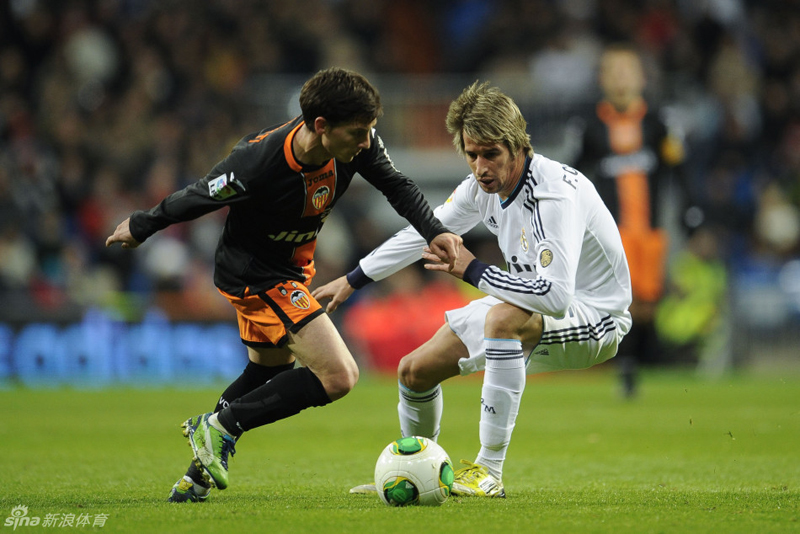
(187, 490)
(211, 448)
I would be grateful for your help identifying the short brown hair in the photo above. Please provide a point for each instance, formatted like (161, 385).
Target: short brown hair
(340, 96)
(488, 116)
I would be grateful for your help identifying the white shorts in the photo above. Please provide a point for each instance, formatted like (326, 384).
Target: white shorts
(582, 338)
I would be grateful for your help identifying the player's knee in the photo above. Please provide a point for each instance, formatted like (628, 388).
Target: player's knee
(341, 382)
(411, 374)
(404, 371)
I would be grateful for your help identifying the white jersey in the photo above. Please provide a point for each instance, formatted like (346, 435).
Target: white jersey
(557, 236)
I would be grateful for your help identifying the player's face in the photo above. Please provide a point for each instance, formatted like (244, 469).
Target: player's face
(345, 141)
(621, 77)
(493, 166)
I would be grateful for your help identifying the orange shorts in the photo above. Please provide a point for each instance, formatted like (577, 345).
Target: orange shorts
(647, 259)
(265, 319)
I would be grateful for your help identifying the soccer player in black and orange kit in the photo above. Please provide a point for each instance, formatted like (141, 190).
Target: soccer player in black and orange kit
(629, 154)
(280, 185)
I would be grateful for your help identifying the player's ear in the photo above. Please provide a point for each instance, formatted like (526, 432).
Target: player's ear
(321, 125)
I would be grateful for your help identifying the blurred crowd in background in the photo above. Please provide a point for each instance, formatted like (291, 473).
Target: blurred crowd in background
(107, 106)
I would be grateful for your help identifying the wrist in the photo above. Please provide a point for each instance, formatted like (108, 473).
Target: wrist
(357, 278)
(474, 272)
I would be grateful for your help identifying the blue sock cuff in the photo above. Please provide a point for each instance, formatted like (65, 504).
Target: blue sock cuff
(411, 393)
(504, 354)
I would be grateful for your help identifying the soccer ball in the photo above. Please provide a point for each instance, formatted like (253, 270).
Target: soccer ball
(414, 470)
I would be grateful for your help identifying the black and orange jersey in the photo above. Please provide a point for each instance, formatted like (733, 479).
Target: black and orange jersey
(626, 155)
(277, 207)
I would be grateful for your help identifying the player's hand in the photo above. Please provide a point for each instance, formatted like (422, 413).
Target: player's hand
(434, 263)
(338, 291)
(446, 248)
(123, 235)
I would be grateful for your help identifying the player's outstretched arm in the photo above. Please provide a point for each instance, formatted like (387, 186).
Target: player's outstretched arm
(446, 248)
(338, 291)
(462, 261)
(123, 235)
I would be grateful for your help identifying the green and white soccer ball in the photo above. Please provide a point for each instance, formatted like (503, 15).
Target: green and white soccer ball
(414, 471)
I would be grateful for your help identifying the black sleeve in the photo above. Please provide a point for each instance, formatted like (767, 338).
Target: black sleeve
(221, 187)
(401, 192)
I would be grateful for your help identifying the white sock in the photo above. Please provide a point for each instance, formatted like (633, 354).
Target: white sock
(503, 383)
(214, 421)
(420, 413)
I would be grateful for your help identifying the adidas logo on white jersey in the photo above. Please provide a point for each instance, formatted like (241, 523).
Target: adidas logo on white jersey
(492, 222)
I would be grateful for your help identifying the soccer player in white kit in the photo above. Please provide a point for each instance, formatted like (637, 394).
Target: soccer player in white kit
(561, 304)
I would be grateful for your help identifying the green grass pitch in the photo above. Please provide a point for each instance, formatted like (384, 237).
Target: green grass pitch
(687, 456)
